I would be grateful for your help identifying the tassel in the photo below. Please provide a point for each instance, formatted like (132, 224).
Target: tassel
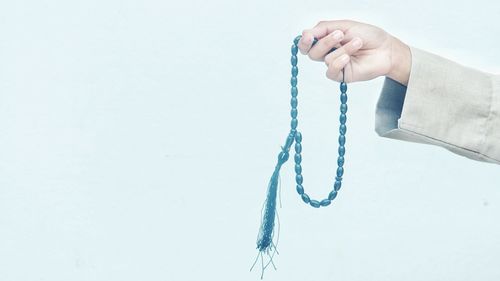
(265, 243)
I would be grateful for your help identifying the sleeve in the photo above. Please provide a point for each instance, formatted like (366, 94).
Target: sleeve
(444, 104)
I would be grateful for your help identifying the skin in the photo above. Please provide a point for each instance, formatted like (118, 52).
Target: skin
(365, 51)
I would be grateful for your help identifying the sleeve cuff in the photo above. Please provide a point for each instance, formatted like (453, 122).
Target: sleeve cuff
(445, 104)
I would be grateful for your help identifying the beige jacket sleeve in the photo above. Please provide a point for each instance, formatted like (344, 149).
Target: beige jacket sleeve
(444, 104)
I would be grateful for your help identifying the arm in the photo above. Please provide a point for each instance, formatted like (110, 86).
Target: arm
(425, 98)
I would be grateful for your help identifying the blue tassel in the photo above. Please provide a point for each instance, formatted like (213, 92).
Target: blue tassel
(265, 243)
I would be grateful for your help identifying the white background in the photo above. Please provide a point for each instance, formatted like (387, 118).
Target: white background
(137, 139)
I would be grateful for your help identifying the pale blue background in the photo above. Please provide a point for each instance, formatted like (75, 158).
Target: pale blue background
(137, 139)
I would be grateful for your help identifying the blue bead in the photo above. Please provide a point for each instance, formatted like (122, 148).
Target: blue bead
(294, 123)
(298, 147)
(342, 140)
(298, 158)
(305, 198)
(332, 195)
(341, 150)
(325, 202)
(300, 189)
(340, 171)
(294, 49)
(297, 39)
(343, 98)
(298, 169)
(295, 71)
(343, 87)
(293, 60)
(293, 102)
(314, 203)
(340, 161)
(332, 49)
(299, 179)
(315, 40)
(294, 91)
(283, 156)
(342, 129)
(337, 185)
(338, 178)
(343, 108)
(293, 81)
(342, 118)
(293, 113)
(298, 137)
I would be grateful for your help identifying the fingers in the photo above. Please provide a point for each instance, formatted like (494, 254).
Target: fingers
(322, 29)
(334, 71)
(323, 46)
(350, 48)
(338, 59)
(308, 36)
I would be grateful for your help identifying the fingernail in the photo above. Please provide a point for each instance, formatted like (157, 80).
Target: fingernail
(337, 35)
(356, 42)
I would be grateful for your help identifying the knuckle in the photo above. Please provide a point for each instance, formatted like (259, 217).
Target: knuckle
(336, 66)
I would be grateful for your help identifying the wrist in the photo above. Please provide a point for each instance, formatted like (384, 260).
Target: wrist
(400, 62)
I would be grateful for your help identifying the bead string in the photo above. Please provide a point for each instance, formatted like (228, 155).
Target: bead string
(298, 136)
(265, 243)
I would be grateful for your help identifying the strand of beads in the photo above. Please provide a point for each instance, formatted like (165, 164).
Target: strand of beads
(298, 136)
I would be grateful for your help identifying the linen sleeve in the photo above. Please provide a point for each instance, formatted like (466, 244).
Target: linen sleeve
(445, 104)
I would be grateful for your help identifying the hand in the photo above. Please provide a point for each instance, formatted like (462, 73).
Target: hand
(365, 51)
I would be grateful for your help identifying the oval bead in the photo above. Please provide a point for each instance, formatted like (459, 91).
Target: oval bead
(342, 140)
(343, 98)
(315, 40)
(293, 81)
(298, 169)
(300, 189)
(298, 137)
(343, 129)
(343, 108)
(343, 87)
(299, 179)
(340, 171)
(314, 203)
(283, 156)
(293, 60)
(298, 158)
(340, 161)
(341, 150)
(293, 102)
(294, 49)
(337, 185)
(293, 112)
(332, 195)
(295, 71)
(305, 198)
(342, 118)
(293, 123)
(294, 91)
(298, 147)
(325, 202)
(297, 39)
